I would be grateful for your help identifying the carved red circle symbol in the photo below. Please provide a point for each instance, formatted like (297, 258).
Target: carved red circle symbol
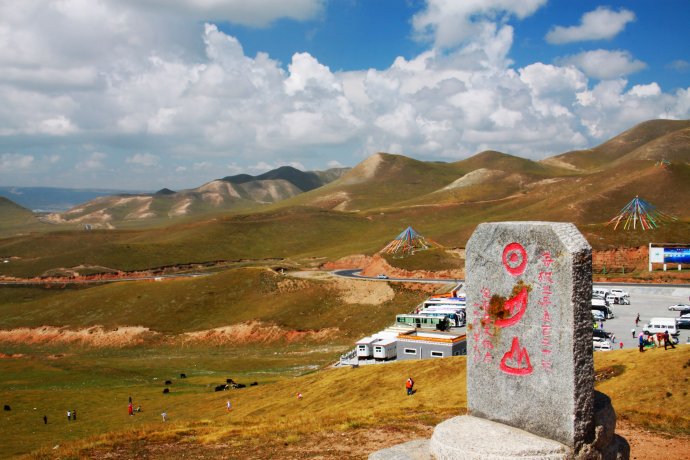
(515, 259)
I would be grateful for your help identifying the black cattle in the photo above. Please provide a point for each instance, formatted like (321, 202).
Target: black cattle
(183, 376)
(168, 382)
(230, 381)
(166, 390)
(253, 384)
(240, 385)
(7, 407)
(221, 387)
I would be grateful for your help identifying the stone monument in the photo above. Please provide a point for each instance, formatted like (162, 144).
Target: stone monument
(530, 373)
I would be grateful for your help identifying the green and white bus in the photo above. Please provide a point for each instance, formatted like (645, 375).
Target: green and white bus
(441, 322)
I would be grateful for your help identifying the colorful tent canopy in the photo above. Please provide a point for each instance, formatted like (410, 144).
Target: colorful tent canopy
(408, 242)
(639, 212)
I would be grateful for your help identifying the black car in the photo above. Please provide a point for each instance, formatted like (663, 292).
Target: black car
(602, 334)
(683, 322)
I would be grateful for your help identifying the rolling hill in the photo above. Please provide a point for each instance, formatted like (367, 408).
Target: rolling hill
(15, 217)
(652, 140)
(361, 210)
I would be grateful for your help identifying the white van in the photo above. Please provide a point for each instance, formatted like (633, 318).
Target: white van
(661, 325)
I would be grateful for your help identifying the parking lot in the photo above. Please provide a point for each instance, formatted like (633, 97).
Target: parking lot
(649, 302)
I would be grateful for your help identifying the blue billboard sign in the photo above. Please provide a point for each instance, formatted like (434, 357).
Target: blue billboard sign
(677, 255)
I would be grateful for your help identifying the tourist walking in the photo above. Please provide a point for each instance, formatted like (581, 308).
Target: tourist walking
(130, 409)
(165, 416)
(409, 384)
(228, 406)
(637, 320)
(667, 340)
(641, 343)
(69, 415)
(45, 419)
(633, 332)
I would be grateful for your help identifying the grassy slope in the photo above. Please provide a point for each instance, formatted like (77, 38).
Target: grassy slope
(625, 143)
(15, 218)
(185, 305)
(342, 401)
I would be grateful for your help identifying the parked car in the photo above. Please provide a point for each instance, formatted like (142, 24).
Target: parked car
(684, 321)
(679, 307)
(600, 301)
(599, 344)
(600, 292)
(602, 334)
(619, 293)
(382, 276)
(598, 315)
(619, 299)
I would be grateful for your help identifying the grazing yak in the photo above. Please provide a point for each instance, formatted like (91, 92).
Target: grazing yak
(166, 390)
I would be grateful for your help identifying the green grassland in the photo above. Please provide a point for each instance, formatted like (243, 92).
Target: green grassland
(176, 306)
(268, 416)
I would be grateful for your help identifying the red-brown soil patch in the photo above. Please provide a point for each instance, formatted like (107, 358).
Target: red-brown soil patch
(255, 332)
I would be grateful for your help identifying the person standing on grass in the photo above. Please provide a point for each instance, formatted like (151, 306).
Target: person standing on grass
(667, 340)
(641, 343)
(45, 419)
(165, 416)
(228, 406)
(74, 414)
(130, 409)
(69, 415)
(409, 384)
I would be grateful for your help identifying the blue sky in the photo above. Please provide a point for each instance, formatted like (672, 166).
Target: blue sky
(145, 94)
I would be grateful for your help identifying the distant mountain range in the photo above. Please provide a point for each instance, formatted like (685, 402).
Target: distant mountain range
(238, 192)
(587, 187)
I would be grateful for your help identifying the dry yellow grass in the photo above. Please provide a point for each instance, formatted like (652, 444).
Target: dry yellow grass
(648, 389)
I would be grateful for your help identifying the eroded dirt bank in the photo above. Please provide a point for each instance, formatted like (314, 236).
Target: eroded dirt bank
(127, 336)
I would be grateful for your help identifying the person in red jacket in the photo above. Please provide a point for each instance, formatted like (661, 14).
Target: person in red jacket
(409, 385)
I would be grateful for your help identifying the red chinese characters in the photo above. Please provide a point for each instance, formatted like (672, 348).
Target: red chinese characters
(546, 287)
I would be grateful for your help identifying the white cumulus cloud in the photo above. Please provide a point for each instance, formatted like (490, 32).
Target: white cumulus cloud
(448, 23)
(600, 24)
(175, 92)
(604, 64)
(258, 13)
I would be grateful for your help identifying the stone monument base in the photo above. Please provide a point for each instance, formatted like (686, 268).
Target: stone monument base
(473, 438)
